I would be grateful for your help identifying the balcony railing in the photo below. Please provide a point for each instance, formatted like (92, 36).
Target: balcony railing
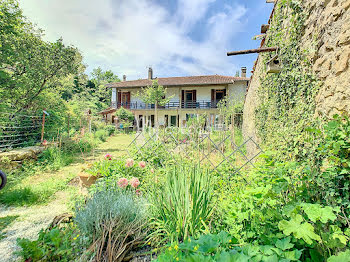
(199, 104)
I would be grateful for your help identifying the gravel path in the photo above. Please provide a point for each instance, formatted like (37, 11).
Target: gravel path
(29, 222)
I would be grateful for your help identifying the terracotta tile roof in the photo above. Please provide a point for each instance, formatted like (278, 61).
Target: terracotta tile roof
(181, 81)
(107, 111)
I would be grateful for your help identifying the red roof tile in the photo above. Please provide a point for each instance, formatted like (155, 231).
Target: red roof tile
(181, 81)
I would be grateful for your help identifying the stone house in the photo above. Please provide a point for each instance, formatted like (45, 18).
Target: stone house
(190, 96)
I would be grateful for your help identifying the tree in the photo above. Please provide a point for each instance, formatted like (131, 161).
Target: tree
(28, 64)
(154, 94)
(99, 79)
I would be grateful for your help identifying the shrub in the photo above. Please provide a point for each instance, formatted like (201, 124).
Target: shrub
(101, 135)
(182, 206)
(223, 247)
(52, 245)
(113, 219)
(110, 129)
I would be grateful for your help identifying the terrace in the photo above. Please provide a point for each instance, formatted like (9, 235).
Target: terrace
(198, 104)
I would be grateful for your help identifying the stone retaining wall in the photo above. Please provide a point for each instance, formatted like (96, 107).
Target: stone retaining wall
(14, 158)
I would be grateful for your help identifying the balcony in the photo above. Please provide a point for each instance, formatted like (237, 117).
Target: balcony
(199, 104)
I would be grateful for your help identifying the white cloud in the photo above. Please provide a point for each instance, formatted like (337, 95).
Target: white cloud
(128, 35)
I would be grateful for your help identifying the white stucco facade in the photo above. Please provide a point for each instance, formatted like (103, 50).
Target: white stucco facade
(175, 114)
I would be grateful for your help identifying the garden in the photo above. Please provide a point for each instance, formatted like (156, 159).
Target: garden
(181, 211)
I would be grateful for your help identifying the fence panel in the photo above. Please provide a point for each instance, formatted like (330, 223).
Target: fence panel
(212, 149)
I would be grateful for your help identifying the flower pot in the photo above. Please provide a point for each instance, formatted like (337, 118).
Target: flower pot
(86, 180)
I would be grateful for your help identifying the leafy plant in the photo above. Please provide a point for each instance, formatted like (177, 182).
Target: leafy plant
(154, 94)
(182, 207)
(223, 247)
(57, 244)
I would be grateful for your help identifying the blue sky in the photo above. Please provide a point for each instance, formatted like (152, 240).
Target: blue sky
(175, 37)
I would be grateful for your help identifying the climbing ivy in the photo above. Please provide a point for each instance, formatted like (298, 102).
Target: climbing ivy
(287, 99)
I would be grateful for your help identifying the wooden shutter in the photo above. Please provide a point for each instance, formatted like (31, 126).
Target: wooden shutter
(212, 98)
(128, 101)
(225, 92)
(194, 95)
(119, 99)
(182, 98)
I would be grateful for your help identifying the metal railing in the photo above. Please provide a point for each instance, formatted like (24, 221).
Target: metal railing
(198, 104)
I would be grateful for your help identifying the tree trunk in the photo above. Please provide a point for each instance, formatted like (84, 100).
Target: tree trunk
(156, 115)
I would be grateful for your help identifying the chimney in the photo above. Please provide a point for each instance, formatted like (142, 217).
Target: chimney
(124, 78)
(150, 73)
(243, 71)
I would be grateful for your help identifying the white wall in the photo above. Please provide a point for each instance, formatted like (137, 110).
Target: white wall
(114, 95)
(237, 91)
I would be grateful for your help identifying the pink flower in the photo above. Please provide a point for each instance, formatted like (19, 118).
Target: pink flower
(123, 182)
(142, 164)
(44, 142)
(138, 192)
(134, 182)
(108, 156)
(129, 162)
(152, 170)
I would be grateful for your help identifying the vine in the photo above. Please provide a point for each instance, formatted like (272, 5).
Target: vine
(287, 99)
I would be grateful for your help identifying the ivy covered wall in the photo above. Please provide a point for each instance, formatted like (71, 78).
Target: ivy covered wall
(281, 107)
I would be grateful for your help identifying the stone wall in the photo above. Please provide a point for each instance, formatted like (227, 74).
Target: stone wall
(329, 24)
(327, 38)
(14, 158)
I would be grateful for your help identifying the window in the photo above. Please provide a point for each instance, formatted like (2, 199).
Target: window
(173, 120)
(189, 98)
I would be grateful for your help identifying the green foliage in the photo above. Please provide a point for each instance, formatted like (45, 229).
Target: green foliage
(19, 193)
(52, 245)
(341, 257)
(154, 94)
(287, 99)
(182, 207)
(334, 182)
(125, 115)
(101, 135)
(300, 230)
(100, 78)
(223, 247)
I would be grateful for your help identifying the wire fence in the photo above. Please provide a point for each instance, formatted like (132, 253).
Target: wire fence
(213, 149)
(21, 130)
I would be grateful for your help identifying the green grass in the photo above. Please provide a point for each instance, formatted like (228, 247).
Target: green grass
(4, 223)
(36, 183)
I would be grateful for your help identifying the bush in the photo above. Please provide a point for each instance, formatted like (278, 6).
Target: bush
(101, 135)
(113, 219)
(110, 129)
(182, 206)
(223, 247)
(52, 245)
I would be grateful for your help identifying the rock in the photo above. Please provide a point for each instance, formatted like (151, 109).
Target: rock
(346, 5)
(342, 64)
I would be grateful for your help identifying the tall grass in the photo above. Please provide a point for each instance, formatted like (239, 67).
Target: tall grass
(182, 206)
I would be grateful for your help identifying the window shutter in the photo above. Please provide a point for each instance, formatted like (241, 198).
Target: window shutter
(182, 98)
(119, 99)
(194, 95)
(128, 103)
